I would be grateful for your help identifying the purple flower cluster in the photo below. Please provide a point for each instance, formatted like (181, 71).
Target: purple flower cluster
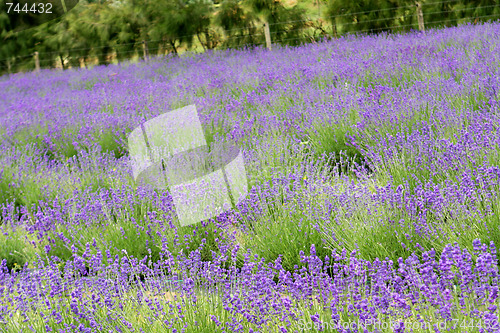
(264, 294)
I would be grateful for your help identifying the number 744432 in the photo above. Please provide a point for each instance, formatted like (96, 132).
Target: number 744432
(35, 8)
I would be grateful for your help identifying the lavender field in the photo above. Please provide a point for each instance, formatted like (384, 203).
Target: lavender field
(373, 167)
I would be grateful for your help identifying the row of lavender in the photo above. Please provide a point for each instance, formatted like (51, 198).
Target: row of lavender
(342, 292)
(420, 113)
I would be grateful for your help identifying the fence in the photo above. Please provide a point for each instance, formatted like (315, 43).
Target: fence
(288, 32)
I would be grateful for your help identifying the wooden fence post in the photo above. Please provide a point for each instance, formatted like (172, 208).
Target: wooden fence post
(145, 50)
(267, 33)
(37, 61)
(420, 17)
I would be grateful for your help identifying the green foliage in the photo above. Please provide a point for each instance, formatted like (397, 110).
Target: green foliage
(231, 15)
(21, 191)
(284, 232)
(393, 15)
(176, 23)
(478, 10)
(104, 31)
(366, 15)
(238, 24)
(285, 24)
(335, 141)
(16, 247)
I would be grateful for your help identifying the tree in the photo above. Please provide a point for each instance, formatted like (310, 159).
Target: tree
(285, 24)
(478, 10)
(440, 14)
(15, 47)
(130, 22)
(177, 22)
(169, 23)
(368, 15)
(238, 25)
(201, 12)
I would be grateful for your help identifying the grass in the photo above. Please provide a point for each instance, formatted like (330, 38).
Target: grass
(17, 247)
(286, 229)
(335, 140)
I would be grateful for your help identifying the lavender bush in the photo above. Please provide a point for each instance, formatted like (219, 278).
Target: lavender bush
(373, 205)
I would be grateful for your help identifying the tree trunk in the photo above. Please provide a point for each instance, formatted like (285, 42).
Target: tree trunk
(210, 44)
(102, 57)
(199, 38)
(172, 43)
(163, 46)
(145, 50)
(62, 61)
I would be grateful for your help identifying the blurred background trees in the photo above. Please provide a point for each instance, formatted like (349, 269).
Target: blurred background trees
(101, 31)
(372, 16)
(238, 25)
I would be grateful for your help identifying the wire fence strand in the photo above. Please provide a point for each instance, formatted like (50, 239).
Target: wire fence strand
(369, 11)
(390, 18)
(256, 38)
(385, 29)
